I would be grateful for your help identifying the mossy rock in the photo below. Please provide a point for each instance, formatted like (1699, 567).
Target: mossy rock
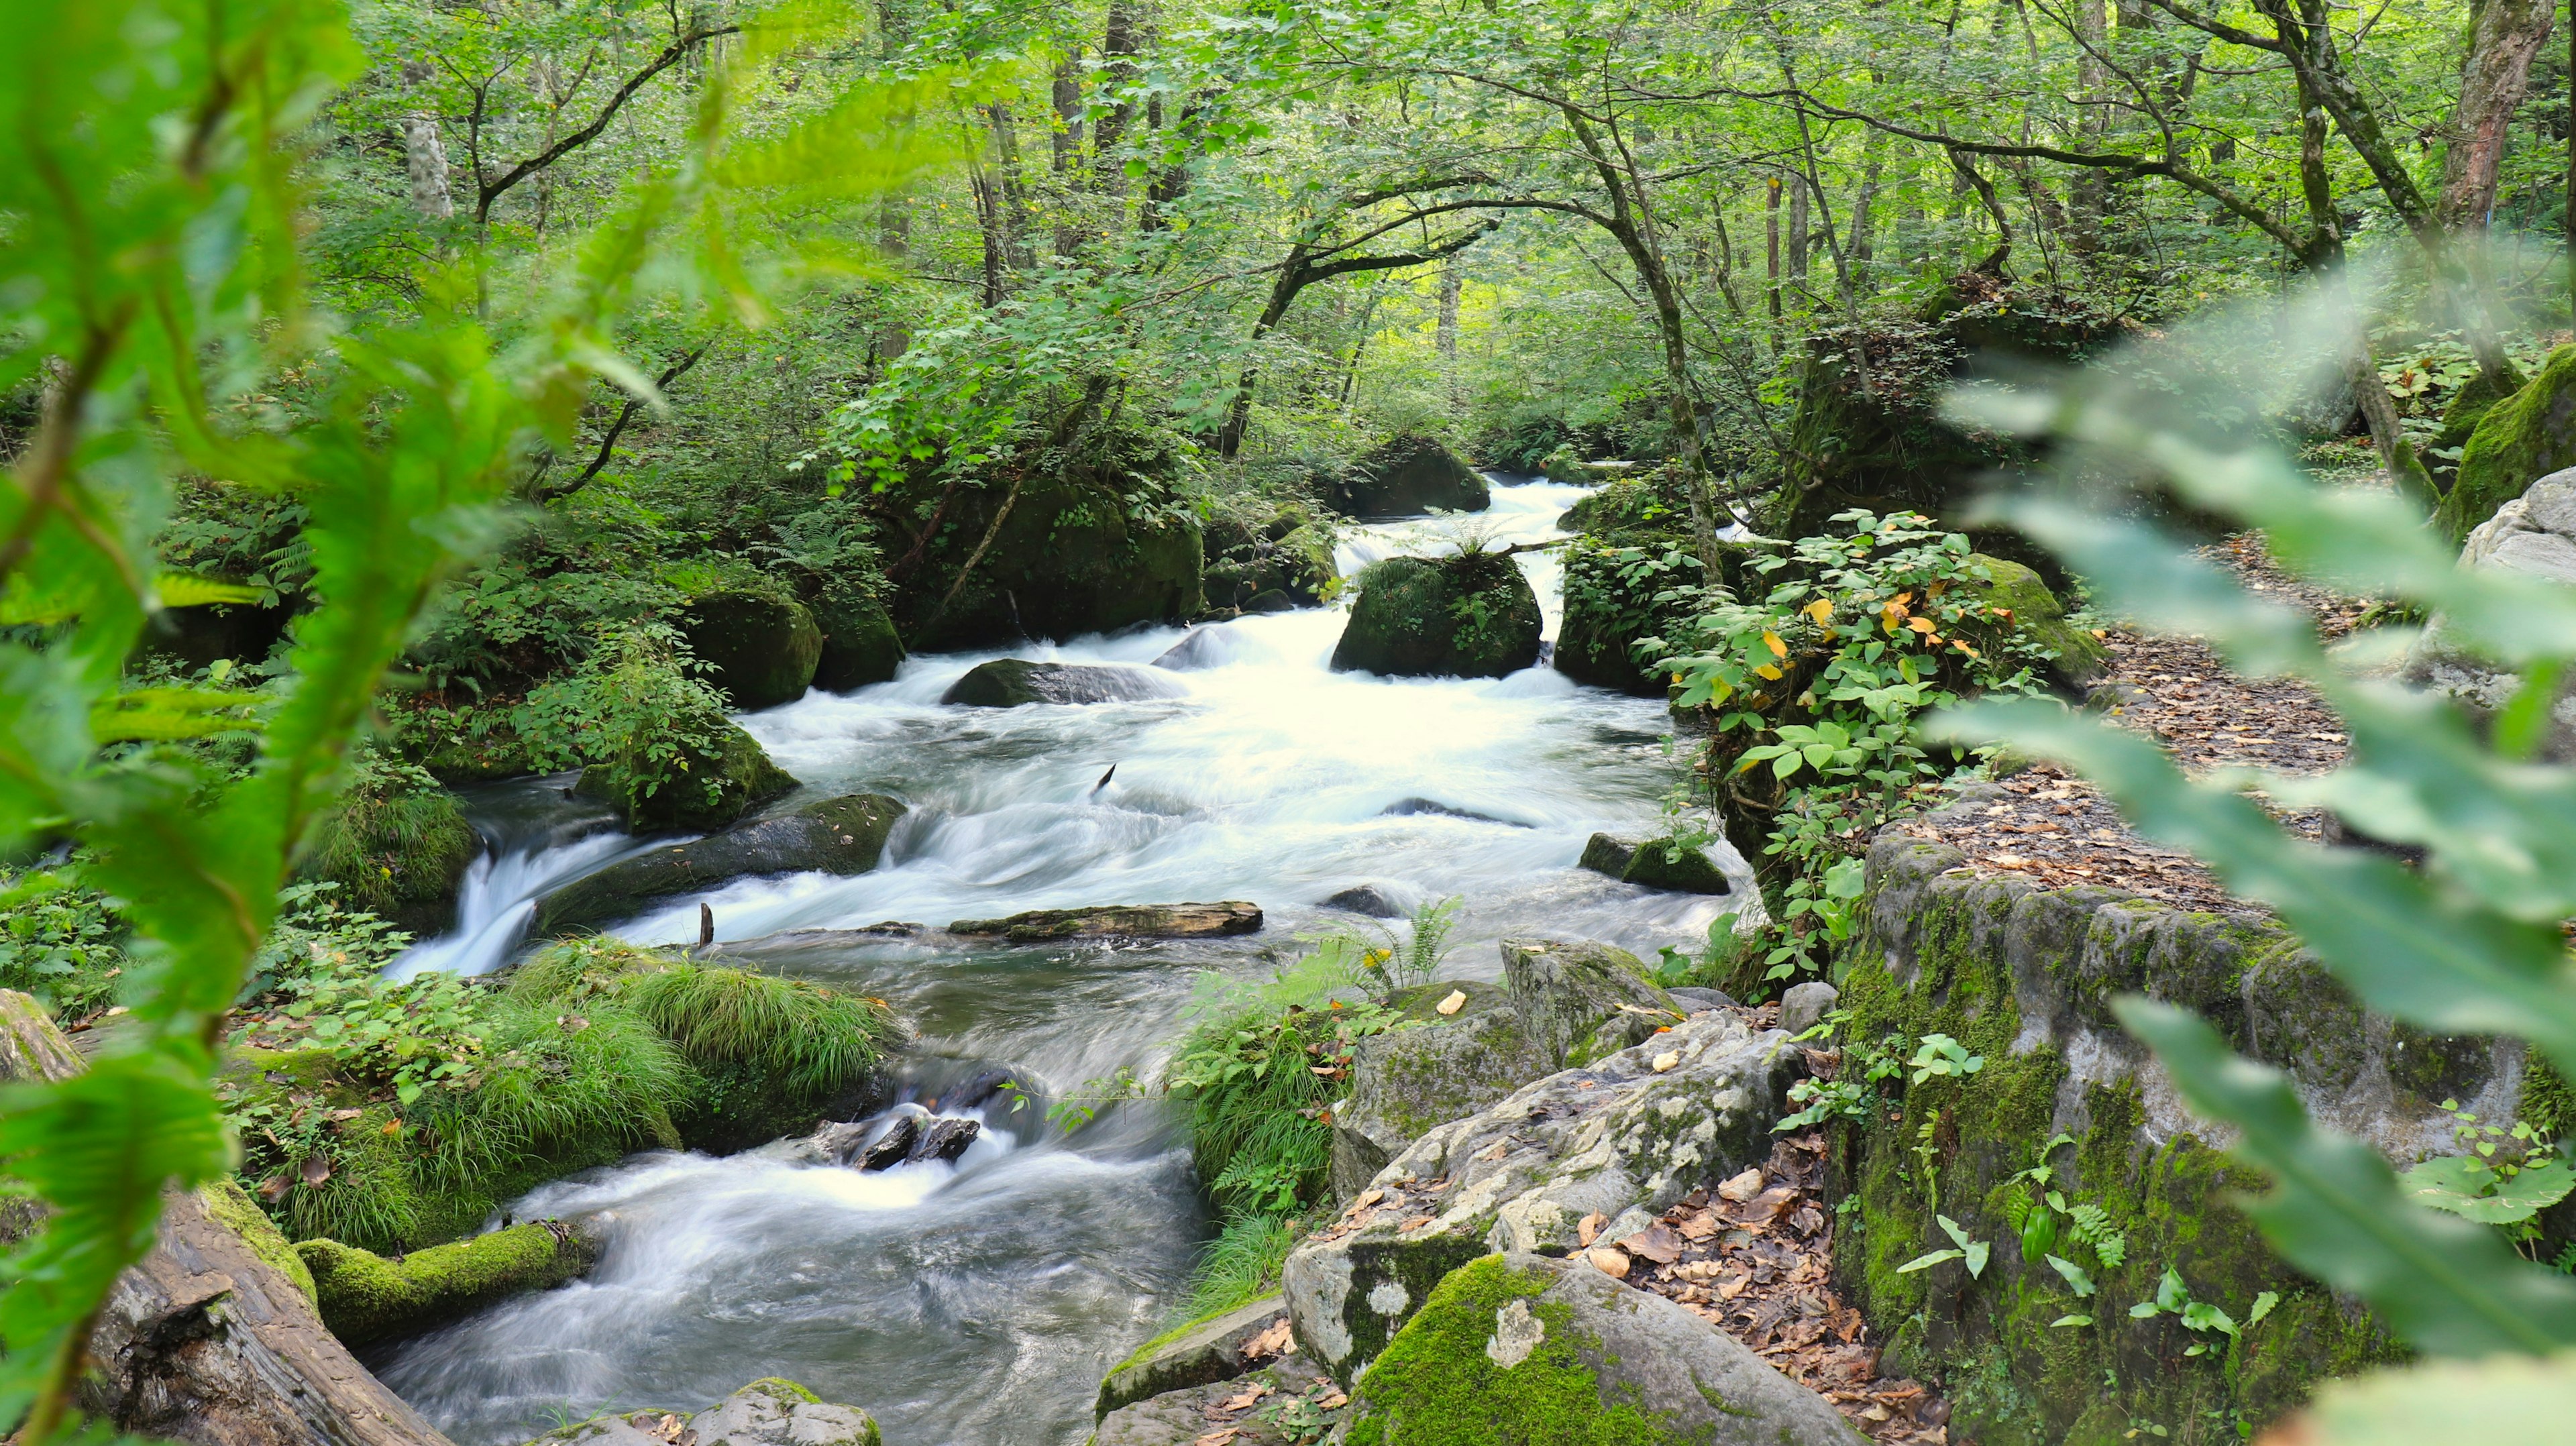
(2019, 601)
(1267, 547)
(1017, 682)
(1526, 1349)
(1658, 863)
(1072, 558)
(2460, 417)
(860, 645)
(762, 648)
(2518, 441)
(1406, 476)
(398, 848)
(845, 835)
(1406, 1081)
(707, 794)
(365, 1297)
(1196, 1354)
(1468, 616)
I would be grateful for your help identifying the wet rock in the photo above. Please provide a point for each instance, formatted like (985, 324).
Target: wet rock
(860, 645)
(1805, 1004)
(1621, 1138)
(981, 1088)
(1377, 901)
(1271, 601)
(1406, 1081)
(762, 649)
(1534, 1348)
(892, 1146)
(1406, 476)
(1198, 1413)
(1198, 1354)
(786, 940)
(1696, 999)
(1470, 616)
(1212, 646)
(365, 1297)
(1412, 807)
(1579, 1000)
(844, 835)
(943, 1139)
(1121, 921)
(1250, 557)
(1657, 863)
(1067, 560)
(1012, 682)
(710, 792)
(769, 1412)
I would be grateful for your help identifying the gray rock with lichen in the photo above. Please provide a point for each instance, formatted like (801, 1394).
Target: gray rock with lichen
(1621, 1138)
(1406, 1081)
(1580, 1000)
(2533, 535)
(1629, 1366)
(768, 1412)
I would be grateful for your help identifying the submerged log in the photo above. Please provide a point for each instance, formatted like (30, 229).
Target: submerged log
(211, 1339)
(1121, 921)
(365, 1297)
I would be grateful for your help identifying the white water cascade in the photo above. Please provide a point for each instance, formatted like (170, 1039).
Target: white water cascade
(978, 1303)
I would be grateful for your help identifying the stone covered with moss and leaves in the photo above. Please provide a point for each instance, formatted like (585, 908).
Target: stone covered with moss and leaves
(365, 1297)
(397, 846)
(2018, 601)
(1521, 1347)
(1199, 1353)
(1579, 1000)
(2038, 1129)
(1673, 865)
(860, 645)
(844, 835)
(1448, 1066)
(1264, 546)
(1472, 615)
(760, 644)
(2518, 440)
(1621, 1138)
(1407, 475)
(699, 789)
(768, 1412)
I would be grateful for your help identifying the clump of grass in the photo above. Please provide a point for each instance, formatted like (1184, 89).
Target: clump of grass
(1242, 1264)
(555, 1081)
(807, 1038)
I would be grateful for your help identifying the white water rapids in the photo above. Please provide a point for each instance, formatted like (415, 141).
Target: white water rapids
(979, 1303)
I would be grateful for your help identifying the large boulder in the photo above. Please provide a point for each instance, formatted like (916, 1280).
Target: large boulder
(1121, 921)
(1622, 1138)
(1579, 1000)
(1406, 476)
(1450, 1065)
(2534, 535)
(1470, 616)
(1012, 682)
(1288, 553)
(1237, 1412)
(2018, 600)
(365, 1297)
(860, 645)
(2519, 440)
(844, 835)
(703, 792)
(768, 1412)
(762, 648)
(1657, 863)
(1079, 554)
(1521, 1347)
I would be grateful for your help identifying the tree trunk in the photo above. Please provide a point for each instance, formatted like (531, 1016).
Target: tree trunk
(1452, 284)
(2504, 37)
(1771, 253)
(1799, 237)
(1122, 39)
(2091, 192)
(205, 1342)
(1066, 146)
(425, 156)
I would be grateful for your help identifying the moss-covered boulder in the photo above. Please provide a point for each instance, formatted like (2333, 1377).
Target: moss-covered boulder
(2023, 978)
(1265, 547)
(1526, 1348)
(1406, 476)
(1468, 616)
(397, 846)
(1017, 682)
(2018, 601)
(2460, 417)
(1619, 593)
(1624, 1138)
(1073, 556)
(844, 835)
(1406, 1081)
(1668, 864)
(2519, 440)
(860, 645)
(762, 647)
(365, 1297)
(1579, 1000)
(696, 793)
(1631, 507)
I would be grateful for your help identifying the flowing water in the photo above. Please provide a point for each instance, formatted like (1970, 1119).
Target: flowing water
(978, 1303)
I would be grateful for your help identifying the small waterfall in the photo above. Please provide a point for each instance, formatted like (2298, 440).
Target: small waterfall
(534, 839)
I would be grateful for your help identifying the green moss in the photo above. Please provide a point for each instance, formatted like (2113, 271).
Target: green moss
(1435, 1385)
(226, 1202)
(365, 1297)
(2519, 440)
(397, 846)
(2029, 608)
(781, 1386)
(2547, 1104)
(700, 794)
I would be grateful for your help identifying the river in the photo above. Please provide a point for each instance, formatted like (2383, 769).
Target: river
(978, 1304)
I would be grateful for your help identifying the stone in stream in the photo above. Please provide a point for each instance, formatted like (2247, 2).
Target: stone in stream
(894, 1146)
(843, 835)
(364, 1297)
(768, 1412)
(709, 793)
(860, 645)
(1377, 901)
(1652, 864)
(1623, 1138)
(1415, 807)
(1211, 646)
(1406, 476)
(760, 649)
(1121, 921)
(943, 1139)
(1195, 1355)
(1532, 1348)
(1471, 616)
(1012, 682)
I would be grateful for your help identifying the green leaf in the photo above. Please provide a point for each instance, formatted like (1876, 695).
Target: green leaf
(2472, 1190)
(2447, 1286)
(2499, 1401)
(1927, 1261)
(2076, 1279)
(2072, 1320)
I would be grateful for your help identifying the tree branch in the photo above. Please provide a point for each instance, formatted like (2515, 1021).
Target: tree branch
(489, 191)
(625, 414)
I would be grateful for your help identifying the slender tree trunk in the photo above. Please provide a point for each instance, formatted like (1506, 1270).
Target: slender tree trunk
(2091, 189)
(1799, 237)
(1122, 39)
(1012, 208)
(2325, 259)
(1066, 147)
(2504, 37)
(425, 155)
(1771, 254)
(1452, 283)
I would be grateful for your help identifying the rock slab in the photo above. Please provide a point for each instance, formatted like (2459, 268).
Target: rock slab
(768, 1412)
(1121, 921)
(844, 835)
(1406, 1081)
(1519, 1347)
(1015, 682)
(1202, 1354)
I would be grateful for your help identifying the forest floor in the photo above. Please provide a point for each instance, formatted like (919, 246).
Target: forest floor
(2057, 830)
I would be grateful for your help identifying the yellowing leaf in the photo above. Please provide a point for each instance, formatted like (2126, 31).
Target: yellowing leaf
(1768, 671)
(189, 589)
(1778, 648)
(1920, 625)
(1821, 610)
